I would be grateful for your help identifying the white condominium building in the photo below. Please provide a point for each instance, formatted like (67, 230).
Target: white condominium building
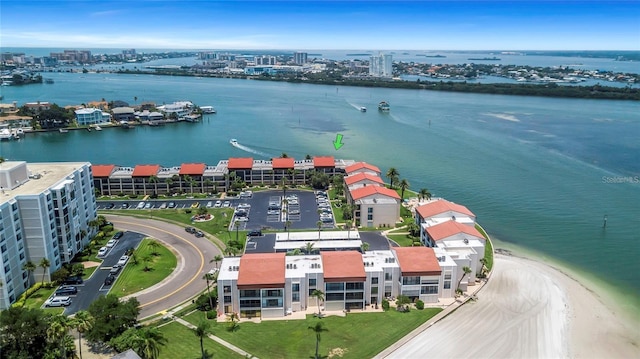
(381, 65)
(45, 209)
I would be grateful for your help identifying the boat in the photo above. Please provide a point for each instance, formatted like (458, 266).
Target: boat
(98, 128)
(89, 129)
(383, 106)
(233, 142)
(192, 118)
(62, 130)
(5, 134)
(208, 109)
(363, 109)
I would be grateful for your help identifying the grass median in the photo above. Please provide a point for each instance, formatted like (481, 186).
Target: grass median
(183, 343)
(155, 262)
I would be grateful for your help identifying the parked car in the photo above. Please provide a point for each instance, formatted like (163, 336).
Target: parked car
(149, 205)
(218, 204)
(57, 302)
(255, 233)
(199, 234)
(190, 229)
(102, 251)
(118, 235)
(209, 204)
(163, 206)
(123, 260)
(111, 205)
(171, 205)
(110, 279)
(66, 290)
(115, 269)
(226, 204)
(244, 206)
(112, 242)
(242, 219)
(73, 280)
(125, 205)
(140, 205)
(195, 205)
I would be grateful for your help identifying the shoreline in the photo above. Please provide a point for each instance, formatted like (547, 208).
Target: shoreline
(599, 323)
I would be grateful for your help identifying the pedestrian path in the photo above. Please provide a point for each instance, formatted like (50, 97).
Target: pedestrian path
(216, 339)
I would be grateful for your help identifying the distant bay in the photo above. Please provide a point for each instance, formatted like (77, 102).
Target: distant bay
(538, 172)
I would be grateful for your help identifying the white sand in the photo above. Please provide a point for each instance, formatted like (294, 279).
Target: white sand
(529, 310)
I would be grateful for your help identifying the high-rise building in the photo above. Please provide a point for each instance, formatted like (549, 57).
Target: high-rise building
(265, 60)
(381, 65)
(300, 58)
(45, 210)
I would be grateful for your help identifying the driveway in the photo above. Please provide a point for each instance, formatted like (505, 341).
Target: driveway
(193, 256)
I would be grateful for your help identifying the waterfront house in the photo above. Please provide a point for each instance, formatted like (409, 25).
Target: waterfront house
(440, 210)
(91, 116)
(123, 114)
(273, 285)
(363, 167)
(376, 206)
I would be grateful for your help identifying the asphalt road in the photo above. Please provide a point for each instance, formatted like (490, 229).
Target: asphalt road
(193, 256)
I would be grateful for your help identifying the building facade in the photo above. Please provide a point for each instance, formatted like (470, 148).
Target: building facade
(300, 58)
(45, 212)
(381, 65)
(91, 116)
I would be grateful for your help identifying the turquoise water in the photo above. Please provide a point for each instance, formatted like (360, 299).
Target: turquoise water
(538, 172)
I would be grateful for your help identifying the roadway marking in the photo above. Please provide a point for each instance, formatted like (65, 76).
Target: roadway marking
(179, 237)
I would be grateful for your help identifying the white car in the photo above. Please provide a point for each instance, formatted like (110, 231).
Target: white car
(57, 302)
(123, 260)
(102, 251)
(209, 204)
(140, 205)
(218, 204)
(111, 243)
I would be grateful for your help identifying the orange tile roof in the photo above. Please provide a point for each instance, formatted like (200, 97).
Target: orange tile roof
(193, 169)
(417, 261)
(367, 191)
(362, 176)
(145, 170)
(324, 161)
(442, 206)
(343, 266)
(102, 170)
(361, 165)
(282, 163)
(261, 270)
(240, 163)
(450, 228)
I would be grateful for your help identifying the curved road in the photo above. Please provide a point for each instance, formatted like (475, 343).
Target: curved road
(193, 255)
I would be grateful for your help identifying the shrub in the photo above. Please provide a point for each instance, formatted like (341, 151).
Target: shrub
(420, 305)
(202, 303)
(385, 305)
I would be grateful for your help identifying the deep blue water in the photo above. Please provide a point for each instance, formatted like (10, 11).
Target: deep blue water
(538, 172)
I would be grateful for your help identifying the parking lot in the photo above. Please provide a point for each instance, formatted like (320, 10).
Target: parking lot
(92, 288)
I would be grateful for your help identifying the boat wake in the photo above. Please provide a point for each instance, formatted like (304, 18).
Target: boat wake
(357, 107)
(236, 144)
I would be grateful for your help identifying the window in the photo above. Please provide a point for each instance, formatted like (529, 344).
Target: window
(374, 290)
(429, 289)
(447, 284)
(447, 275)
(334, 296)
(227, 299)
(312, 282)
(334, 287)
(374, 280)
(388, 276)
(355, 286)
(370, 210)
(369, 217)
(295, 297)
(410, 280)
(227, 289)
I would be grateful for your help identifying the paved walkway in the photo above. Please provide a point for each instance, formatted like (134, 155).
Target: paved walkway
(216, 339)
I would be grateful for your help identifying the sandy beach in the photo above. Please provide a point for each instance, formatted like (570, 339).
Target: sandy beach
(529, 309)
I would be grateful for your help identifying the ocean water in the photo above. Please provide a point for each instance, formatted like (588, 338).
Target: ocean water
(540, 173)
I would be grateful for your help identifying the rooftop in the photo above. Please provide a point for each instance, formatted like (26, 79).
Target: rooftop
(343, 266)
(194, 169)
(313, 236)
(361, 165)
(324, 161)
(240, 163)
(262, 270)
(450, 228)
(102, 170)
(362, 176)
(283, 163)
(417, 261)
(440, 206)
(145, 170)
(367, 191)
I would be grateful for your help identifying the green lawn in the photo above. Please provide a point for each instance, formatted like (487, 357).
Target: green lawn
(488, 248)
(402, 239)
(183, 343)
(36, 300)
(360, 335)
(134, 278)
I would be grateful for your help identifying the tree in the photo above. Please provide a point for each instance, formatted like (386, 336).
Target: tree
(44, 264)
(201, 331)
(24, 333)
(169, 183)
(318, 328)
(218, 258)
(287, 226)
(82, 322)
(57, 332)
(209, 277)
(364, 247)
(146, 342)
(348, 224)
(414, 229)
(154, 247)
(319, 224)
(112, 317)
(308, 248)
(29, 266)
(147, 263)
(154, 179)
(466, 271)
(424, 193)
(233, 320)
(392, 173)
(319, 295)
(404, 185)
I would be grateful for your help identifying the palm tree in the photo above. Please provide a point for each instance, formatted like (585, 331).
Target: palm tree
(283, 183)
(364, 247)
(150, 341)
(188, 180)
(319, 224)
(168, 182)
(57, 331)
(287, 224)
(232, 251)
(44, 264)
(201, 331)
(308, 248)
(154, 247)
(154, 179)
(404, 185)
(466, 271)
(209, 277)
(319, 295)
(392, 173)
(29, 267)
(218, 258)
(424, 193)
(82, 322)
(347, 224)
(318, 329)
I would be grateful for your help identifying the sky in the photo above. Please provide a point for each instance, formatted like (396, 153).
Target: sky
(331, 25)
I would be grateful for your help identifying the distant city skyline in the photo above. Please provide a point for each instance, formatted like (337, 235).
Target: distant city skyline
(335, 25)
